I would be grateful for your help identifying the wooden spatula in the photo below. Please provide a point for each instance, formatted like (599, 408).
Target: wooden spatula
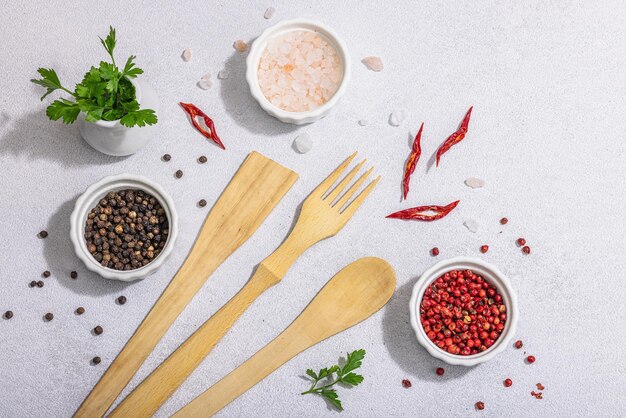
(323, 214)
(254, 191)
(353, 295)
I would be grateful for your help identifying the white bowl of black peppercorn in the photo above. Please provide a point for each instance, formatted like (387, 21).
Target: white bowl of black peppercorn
(124, 227)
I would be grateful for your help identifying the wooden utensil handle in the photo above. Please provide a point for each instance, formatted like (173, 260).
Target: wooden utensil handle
(146, 399)
(282, 349)
(151, 330)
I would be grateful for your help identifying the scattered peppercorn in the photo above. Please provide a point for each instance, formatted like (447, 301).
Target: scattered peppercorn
(480, 405)
(435, 251)
(521, 242)
(540, 386)
(178, 174)
(537, 395)
(46, 274)
(202, 159)
(40, 284)
(484, 249)
(519, 344)
(406, 383)
(166, 157)
(33, 284)
(526, 249)
(121, 300)
(8, 314)
(80, 310)
(96, 360)
(440, 371)
(504, 221)
(43, 234)
(202, 203)
(530, 359)
(508, 383)
(126, 230)
(48, 316)
(73, 275)
(98, 330)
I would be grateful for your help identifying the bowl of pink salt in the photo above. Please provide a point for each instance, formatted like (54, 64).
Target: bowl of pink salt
(298, 70)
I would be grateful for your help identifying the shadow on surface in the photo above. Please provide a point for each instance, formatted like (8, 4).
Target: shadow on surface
(240, 104)
(402, 344)
(36, 137)
(61, 259)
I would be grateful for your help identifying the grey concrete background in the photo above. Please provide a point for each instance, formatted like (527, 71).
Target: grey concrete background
(547, 134)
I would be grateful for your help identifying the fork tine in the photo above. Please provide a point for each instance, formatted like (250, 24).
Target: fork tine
(352, 207)
(330, 180)
(347, 195)
(344, 183)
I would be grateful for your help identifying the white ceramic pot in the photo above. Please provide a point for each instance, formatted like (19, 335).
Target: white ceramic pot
(90, 198)
(252, 67)
(111, 137)
(491, 274)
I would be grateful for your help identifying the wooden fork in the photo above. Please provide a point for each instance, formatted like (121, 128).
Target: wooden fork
(323, 214)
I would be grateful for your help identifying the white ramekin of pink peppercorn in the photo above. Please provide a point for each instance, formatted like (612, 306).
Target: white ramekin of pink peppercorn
(123, 227)
(463, 311)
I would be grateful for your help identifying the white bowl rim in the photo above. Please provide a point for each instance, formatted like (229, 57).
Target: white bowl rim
(504, 288)
(252, 70)
(85, 203)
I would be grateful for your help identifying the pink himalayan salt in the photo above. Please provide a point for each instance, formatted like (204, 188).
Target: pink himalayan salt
(373, 63)
(240, 46)
(299, 71)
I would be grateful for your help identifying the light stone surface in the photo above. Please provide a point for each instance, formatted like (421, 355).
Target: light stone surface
(547, 133)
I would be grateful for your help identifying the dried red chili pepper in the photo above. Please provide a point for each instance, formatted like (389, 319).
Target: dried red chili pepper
(194, 112)
(416, 151)
(418, 214)
(456, 137)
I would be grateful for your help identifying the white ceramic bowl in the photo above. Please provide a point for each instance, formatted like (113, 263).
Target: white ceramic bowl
(490, 273)
(89, 199)
(252, 66)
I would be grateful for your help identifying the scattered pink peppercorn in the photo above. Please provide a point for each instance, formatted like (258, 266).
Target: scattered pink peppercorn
(540, 386)
(435, 251)
(521, 242)
(480, 405)
(440, 371)
(484, 249)
(504, 221)
(519, 344)
(508, 383)
(530, 359)
(526, 249)
(406, 383)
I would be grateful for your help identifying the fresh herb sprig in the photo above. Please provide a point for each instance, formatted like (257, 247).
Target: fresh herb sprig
(104, 94)
(344, 375)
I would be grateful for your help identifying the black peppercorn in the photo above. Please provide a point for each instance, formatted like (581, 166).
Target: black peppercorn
(73, 275)
(40, 284)
(33, 284)
(43, 234)
(8, 314)
(46, 274)
(121, 300)
(166, 157)
(98, 330)
(202, 159)
(202, 203)
(96, 360)
(48, 316)
(80, 310)
(179, 174)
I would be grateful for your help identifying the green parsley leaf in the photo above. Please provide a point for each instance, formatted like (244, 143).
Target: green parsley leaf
(130, 70)
(49, 80)
(109, 43)
(63, 109)
(312, 374)
(141, 117)
(352, 379)
(332, 397)
(353, 361)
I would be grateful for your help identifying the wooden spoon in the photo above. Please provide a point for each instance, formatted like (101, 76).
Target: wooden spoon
(352, 295)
